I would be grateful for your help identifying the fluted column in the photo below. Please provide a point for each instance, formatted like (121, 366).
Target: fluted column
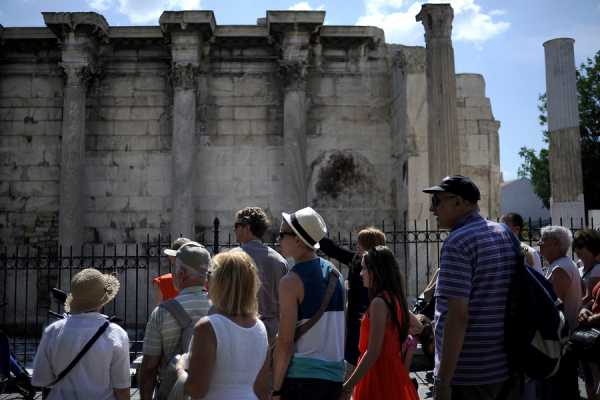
(295, 33)
(566, 176)
(443, 143)
(294, 129)
(80, 35)
(187, 31)
(71, 212)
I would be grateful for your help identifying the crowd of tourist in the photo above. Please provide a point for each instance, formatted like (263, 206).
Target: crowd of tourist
(255, 323)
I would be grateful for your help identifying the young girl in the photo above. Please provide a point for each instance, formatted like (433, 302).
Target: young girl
(380, 373)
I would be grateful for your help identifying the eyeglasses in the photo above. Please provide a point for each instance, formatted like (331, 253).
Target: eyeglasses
(436, 201)
(282, 234)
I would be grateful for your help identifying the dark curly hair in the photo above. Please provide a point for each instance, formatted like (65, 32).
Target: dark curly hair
(388, 284)
(256, 218)
(589, 239)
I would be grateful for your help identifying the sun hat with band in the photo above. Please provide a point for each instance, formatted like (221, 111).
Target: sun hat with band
(308, 225)
(90, 290)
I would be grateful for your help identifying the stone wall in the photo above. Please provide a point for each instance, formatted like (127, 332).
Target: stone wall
(478, 130)
(31, 90)
(279, 106)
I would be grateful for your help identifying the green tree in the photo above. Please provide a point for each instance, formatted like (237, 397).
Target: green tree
(535, 164)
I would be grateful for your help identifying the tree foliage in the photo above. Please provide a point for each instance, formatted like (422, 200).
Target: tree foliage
(535, 165)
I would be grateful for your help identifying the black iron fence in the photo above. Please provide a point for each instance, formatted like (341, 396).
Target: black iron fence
(27, 275)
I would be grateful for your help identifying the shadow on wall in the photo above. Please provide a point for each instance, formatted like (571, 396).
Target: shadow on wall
(344, 182)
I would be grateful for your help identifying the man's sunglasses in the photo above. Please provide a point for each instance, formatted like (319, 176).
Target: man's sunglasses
(282, 234)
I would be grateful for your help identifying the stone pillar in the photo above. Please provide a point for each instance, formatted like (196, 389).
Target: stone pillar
(443, 145)
(294, 129)
(187, 32)
(292, 32)
(566, 177)
(79, 34)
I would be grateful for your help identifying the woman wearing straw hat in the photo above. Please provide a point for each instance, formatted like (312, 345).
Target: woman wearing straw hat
(61, 364)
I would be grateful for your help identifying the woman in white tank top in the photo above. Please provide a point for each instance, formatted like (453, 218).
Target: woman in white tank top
(228, 353)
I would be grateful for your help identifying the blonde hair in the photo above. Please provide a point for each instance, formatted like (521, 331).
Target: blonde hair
(234, 284)
(371, 237)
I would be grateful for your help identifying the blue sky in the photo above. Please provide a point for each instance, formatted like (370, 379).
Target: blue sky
(500, 39)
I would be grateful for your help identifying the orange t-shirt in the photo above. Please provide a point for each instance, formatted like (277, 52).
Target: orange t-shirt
(165, 284)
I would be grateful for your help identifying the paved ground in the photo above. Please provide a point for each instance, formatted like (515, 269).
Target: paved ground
(422, 378)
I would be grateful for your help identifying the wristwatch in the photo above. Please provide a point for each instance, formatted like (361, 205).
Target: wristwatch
(277, 392)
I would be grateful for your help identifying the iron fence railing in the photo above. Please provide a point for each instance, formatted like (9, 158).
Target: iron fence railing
(27, 274)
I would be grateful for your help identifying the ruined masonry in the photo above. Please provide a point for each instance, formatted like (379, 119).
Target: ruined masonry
(109, 134)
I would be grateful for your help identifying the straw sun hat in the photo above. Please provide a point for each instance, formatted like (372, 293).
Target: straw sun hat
(90, 290)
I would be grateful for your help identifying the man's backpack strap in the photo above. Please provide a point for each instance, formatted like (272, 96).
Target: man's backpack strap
(177, 311)
(333, 278)
(181, 317)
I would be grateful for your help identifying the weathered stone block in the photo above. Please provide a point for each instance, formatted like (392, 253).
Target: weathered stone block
(16, 86)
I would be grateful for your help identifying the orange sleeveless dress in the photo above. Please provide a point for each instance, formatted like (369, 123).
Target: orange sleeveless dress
(387, 378)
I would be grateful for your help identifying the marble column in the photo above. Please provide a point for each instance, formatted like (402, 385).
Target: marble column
(294, 130)
(80, 34)
(187, 32)
(566, 177)
(443, 143)
(72, 152)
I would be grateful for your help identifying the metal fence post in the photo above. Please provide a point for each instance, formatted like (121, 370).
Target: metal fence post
(216, 224)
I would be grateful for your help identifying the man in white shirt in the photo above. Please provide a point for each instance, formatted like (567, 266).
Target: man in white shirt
(515, 222)
(103, 371)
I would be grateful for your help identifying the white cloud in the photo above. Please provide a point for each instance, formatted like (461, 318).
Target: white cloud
(397, 19)
(145, 11)
(100, 5)
(305, 6)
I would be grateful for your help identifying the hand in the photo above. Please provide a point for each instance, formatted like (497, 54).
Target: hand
(584, 315)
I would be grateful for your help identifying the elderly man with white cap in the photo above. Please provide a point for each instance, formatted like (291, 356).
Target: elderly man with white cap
(163, 332)
(61, 362)
(312, 366)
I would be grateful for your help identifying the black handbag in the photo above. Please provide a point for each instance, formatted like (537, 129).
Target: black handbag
(585, 342)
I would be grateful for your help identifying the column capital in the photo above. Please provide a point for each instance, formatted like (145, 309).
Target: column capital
(78, 75)
(293, 73)
(202, 23)
(437, 20)
(184, 76)
(65, 24)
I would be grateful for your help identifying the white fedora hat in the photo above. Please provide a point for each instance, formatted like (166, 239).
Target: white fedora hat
(308, 225)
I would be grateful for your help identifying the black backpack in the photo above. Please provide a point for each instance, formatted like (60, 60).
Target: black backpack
(536, 330)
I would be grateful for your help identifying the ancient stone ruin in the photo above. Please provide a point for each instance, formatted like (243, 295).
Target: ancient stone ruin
(111, 133)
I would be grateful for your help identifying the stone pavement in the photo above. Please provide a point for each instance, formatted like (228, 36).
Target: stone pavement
(421, 377)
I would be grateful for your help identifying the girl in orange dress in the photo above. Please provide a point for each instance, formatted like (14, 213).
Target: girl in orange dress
(380, 373)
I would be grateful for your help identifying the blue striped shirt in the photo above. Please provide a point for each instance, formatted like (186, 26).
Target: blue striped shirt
(477, 262)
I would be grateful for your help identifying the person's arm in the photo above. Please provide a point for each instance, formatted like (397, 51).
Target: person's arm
(332, 250)
(560, 282)
(589, 287)
(148, 372)
(455, 327)
(119, 366)
(203, 354)
(378, 315)
(151, 351)
(122, 394)
(261, 384)
(290, 288)
(415, 326)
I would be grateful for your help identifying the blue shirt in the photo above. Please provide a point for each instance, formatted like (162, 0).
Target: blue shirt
(477, 262)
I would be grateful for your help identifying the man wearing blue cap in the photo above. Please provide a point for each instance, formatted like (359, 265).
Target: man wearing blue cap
(476, 264)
